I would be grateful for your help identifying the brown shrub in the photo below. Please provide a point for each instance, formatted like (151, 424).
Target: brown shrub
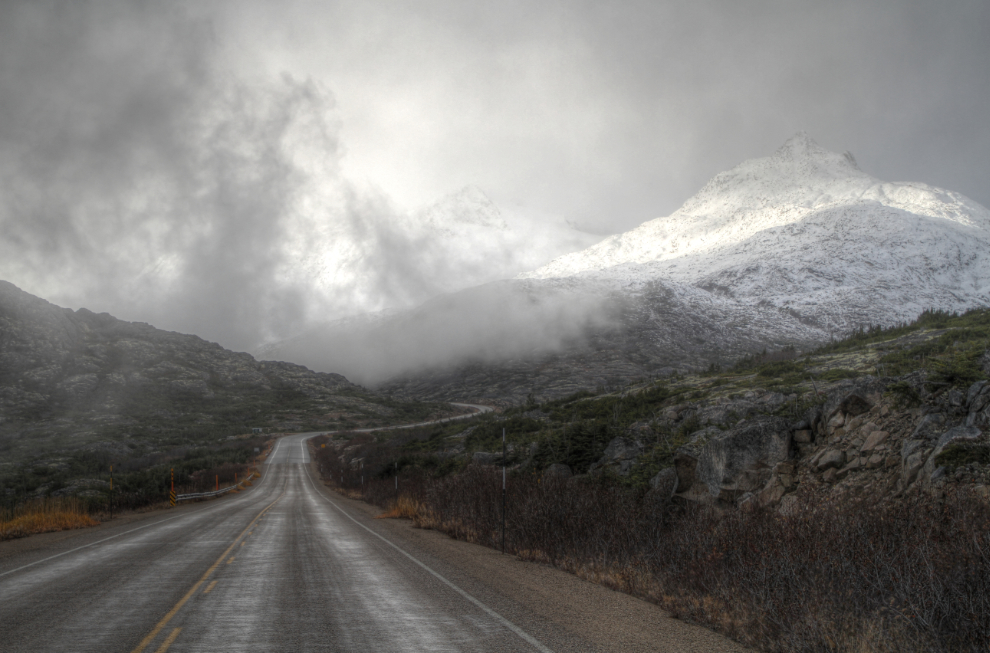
(833, 575)
(44, 516)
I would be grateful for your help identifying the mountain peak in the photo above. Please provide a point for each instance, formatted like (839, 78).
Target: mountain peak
(800, 144)
(803, 149)
(804, 227)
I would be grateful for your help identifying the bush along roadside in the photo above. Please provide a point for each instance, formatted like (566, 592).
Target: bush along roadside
(73, 491)
(830, 501)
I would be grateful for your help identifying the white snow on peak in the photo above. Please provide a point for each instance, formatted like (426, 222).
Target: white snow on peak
(799, 226)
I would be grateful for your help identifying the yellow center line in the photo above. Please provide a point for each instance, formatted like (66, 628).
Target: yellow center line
(231, 560)
(178, 606)
(168, 641)
(209, 587)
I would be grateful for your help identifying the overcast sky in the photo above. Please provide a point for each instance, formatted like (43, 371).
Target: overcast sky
(614, 113)
(161, 160)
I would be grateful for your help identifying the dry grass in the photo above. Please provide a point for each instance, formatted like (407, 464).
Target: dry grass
(404, 508)
(45, 516)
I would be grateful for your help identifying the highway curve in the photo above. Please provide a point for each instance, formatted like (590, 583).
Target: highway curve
(290, 566)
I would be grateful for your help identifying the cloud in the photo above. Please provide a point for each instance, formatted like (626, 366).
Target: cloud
(139, 177)
(156, 163)
(615, 113)
(494, 322)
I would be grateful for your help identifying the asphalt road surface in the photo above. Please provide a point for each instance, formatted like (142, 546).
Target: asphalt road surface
(283, 566)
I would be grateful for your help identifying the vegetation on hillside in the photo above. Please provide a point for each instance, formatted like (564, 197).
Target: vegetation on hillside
(830, 574)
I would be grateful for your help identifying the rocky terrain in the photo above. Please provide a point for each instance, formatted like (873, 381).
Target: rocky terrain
(72, 379)
(880, 414)
(833, 500)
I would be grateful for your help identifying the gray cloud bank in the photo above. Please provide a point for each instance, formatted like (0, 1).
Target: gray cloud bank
(495, 322)
(140, 178)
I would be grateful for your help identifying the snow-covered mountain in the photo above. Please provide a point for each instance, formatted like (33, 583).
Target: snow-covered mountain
(806, 230)
(791, 249)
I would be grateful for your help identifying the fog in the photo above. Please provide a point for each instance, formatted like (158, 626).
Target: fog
(246, 171)
(493, 322)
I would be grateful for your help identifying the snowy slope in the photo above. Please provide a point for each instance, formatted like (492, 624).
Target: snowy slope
(805, 229)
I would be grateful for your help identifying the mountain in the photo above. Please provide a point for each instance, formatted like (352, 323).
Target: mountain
(806, 230)
(788, 250)
(71, 379)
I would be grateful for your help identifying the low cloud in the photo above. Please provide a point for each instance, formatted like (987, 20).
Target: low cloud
(495, 322)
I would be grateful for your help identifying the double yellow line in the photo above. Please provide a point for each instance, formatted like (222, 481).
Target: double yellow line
(178, 606)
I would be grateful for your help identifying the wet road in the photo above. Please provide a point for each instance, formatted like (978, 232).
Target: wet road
(279, 567)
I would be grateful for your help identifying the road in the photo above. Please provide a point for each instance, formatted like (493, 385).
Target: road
(283, 566)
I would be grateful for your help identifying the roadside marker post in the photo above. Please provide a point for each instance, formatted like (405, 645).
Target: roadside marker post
(171, 492)
(111, 492)
(503, 491)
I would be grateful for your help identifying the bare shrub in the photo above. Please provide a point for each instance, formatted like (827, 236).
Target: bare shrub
(832, 575)
(44, 516)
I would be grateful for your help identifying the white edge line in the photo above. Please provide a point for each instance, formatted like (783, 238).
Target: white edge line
(505, 622)
(86, 546)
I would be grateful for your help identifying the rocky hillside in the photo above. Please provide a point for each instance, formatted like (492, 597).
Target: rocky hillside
(74, 378)
(880, 414)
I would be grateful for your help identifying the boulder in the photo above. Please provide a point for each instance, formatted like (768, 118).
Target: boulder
(974, 393)
(929, 427)
(955, 398)
(959, 434)
(852, 466)
(484, 458)
(855, 405)
(664, 484)
(686, 457)
(732, 462)
(557, 470)
(829, 459)
(967, 436)
(914, 454)
(853, 397)
(875, 439)
(620, 454)
(978, 401)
